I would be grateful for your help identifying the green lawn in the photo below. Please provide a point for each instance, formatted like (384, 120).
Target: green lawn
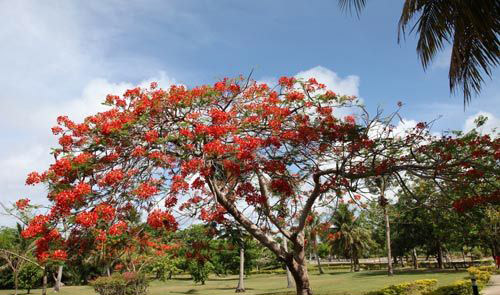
(333, 282)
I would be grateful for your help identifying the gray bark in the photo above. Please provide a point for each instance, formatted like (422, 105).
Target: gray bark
(241, 283)
(289, 282)
(57, 285)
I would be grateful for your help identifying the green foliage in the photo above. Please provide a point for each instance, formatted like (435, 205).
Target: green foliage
(323, 250)
(128, 283)
(200, 270)
(414, 288)
(163, 267)
(6, 278)
(30, 277)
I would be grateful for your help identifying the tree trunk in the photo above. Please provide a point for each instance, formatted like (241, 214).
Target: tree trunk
(463, 257)
(415, 258)
(319, 263)
(241, 283)
(16, 281)
(440, 256)
(356, 263)
(57, 285)
(289, 283)
(44, 280)
(390, 271)
(298, 268)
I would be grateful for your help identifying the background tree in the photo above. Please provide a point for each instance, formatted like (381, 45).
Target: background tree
(472, 28)
(350, 238)
(30, 277)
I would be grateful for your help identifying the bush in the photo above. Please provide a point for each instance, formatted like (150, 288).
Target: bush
(462, 287)
(29, 277)
(128, 283)
(199, 271)
(414, 288)
(482, 276)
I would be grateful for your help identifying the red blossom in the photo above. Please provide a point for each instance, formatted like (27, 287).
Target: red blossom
(146, 190)
(111, 178)
(118, 228)
(22, 204)
(158, 219)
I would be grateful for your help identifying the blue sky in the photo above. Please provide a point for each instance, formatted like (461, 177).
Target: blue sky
(62, 57)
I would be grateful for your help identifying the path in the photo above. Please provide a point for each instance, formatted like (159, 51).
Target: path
(494, 286)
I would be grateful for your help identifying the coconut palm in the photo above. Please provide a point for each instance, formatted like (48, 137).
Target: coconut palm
(311, 232)
(350, 237)
(471, 26)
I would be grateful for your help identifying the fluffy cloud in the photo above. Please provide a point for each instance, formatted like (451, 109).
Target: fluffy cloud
(30, 150)
(345, 86)
(491, 124)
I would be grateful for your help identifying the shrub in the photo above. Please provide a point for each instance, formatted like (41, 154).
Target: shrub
(29, 277)
(462, 287)
(413, 288)
(482, 276)
(128, 283)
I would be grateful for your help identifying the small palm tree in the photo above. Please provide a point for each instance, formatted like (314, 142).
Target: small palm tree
(350, 237)
(471, 26)
(311, 232)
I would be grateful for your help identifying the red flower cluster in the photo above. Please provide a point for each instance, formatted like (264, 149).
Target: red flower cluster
(158, 219)
(118, 228)
(151, 136)
(146, 190)
(33, 178)
(105, 212)
(36, 226)
(22, 204)
(111, 178)
(60, 255)
(281, 186)
(86, 219)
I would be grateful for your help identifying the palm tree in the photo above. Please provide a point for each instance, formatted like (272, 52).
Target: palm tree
(350, 237)
(471, 26)
(311, 232)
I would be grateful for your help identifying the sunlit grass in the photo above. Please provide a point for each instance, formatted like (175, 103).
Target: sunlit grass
(333, 282)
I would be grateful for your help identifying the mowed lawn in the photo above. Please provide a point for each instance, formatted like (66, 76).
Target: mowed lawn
(333, 282)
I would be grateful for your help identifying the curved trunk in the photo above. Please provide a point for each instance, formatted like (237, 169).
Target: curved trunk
(57, 285)
(241, 283)
(298, 268)
(319, 264)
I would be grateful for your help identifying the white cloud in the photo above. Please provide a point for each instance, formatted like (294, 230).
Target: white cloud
(30, 149)
(491, 124)
(344, 86)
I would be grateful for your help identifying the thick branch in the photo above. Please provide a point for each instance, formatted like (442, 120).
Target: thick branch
(245, 222)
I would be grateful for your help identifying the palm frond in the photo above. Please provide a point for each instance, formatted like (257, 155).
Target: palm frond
(350, 5)
(472, 27)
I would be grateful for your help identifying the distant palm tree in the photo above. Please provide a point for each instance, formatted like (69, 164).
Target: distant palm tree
(471, 26)
(350, 238)
(311, 232)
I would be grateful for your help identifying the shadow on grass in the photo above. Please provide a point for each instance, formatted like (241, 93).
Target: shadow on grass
(405, 272)
(337, 273)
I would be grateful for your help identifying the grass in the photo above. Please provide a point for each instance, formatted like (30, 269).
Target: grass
(337, 282)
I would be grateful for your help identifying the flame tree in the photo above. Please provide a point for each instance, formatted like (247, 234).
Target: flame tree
(237, 150)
